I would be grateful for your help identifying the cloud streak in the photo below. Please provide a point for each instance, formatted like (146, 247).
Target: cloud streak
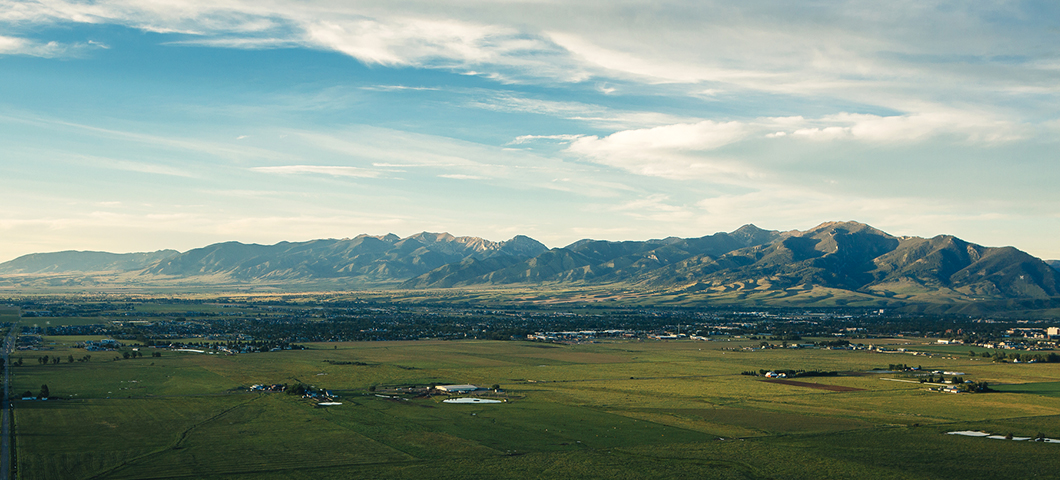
(334, 171)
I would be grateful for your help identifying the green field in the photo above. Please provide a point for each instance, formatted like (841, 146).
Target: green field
(612, 409)
(8, 314)
(1049, 389)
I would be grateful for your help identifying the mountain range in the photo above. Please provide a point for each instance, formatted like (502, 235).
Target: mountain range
(848, 259)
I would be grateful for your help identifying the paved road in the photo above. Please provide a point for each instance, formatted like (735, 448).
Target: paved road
(5, 429)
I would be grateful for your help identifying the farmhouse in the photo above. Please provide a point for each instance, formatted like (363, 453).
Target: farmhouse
(456, 388)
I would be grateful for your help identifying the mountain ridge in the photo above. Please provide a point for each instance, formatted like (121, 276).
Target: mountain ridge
(748, 264)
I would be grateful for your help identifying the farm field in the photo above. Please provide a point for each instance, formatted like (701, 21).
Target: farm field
(622, 409)
(8, 314)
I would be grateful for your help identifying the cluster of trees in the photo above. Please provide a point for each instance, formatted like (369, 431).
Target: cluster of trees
(901, 367)
(138, 354)
(977, 387)
(343, 362)
(46, 359)
(765, 344)
(44, 392)
(303, 390)
(999, 356)
(956, 380)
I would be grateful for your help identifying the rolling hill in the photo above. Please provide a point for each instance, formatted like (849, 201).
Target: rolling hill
(77, 261)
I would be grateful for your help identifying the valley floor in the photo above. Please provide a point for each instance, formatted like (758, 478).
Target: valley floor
(621, 409)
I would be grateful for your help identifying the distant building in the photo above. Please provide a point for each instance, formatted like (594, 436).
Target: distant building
(456, 388)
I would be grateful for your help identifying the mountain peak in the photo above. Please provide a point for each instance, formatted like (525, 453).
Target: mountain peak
(432, 237)
(849, 227)
(388, 238)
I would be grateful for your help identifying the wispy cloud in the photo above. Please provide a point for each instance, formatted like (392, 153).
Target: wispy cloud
(140, 167)
(595, 116)
(975, 127)
(251, 43)
(398, 88)
(460, 176)
(530, 138)
(654, 207)
(52, 49)
(335, 171)
(691, 150)
(894, 56)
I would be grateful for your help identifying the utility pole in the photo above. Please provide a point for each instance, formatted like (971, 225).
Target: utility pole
(5, 411)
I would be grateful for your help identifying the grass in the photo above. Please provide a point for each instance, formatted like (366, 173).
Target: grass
(8, 314)
(1049, 389)
(616, 409)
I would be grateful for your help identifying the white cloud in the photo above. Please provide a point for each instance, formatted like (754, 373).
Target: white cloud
(691, 150)
(32, 48)
(460, 176)
(521, 139)
(594, 115)
(415, 41)
(654, 207)
(652, 69)
(398, 88)
(140, 167)
(896, 56)
(668, 151)
(968, 126)
(704, 135)
(252, 43)
(335, 171)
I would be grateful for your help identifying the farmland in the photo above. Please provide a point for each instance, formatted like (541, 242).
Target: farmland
(619, 408)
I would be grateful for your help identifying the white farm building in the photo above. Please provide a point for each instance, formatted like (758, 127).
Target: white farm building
(456, 388)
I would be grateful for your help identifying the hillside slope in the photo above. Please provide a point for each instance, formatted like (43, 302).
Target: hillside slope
(78, 261)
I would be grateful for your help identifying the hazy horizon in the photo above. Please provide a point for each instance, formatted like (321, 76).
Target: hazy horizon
(132, 127)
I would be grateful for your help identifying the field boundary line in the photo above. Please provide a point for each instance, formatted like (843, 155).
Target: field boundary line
(176, 445)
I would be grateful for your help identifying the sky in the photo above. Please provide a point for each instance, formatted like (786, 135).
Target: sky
(136, 125)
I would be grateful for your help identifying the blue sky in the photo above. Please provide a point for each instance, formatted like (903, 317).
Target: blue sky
(135, 126)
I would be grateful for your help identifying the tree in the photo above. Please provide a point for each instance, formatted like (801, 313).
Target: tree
(496, 386)
(70, 359)
(44, 393)
(125, 355)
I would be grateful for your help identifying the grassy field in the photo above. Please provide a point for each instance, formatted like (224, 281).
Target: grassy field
(8, 314)
(622, 409)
